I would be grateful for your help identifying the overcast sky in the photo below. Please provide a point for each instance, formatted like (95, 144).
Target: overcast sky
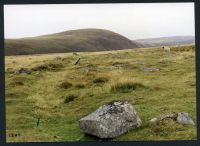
(134, 21)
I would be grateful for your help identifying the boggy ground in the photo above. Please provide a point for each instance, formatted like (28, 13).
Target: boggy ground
(60, 93)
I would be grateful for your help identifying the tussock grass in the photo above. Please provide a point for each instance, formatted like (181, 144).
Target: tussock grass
(102, 79)
(65, 85)
(126, 86)
(10, 70)
(183, 48)
(48, 67)
(79, 86)
(19, 80)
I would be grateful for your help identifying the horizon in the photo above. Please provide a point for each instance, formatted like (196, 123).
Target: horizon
(102, 29)
(134, 21)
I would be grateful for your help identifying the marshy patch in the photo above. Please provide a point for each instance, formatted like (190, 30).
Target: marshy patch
(126, 86)
(48, 67)
(100, 80)
(70, 98)
(65, 85)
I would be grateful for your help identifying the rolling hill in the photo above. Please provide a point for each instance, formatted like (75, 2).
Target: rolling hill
(165, 41)
(81, 40)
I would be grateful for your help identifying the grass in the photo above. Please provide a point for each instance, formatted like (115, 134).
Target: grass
(29, 96)
(126, 86)
(70, 98)
(48, 67)
(80, 86)
(65, 85)
(101, 80)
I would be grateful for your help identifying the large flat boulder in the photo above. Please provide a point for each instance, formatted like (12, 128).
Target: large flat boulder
(111, 120)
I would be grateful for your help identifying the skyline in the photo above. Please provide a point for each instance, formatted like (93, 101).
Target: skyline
(134, 21)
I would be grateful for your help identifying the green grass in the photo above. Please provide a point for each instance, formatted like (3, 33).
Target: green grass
(126, 86)
(117, 76)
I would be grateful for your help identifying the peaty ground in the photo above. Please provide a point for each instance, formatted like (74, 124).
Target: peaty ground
(59, 93)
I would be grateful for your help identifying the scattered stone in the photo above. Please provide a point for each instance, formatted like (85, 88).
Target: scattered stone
(23, 71)
(111, 120)
(184, 118)
(150, 69)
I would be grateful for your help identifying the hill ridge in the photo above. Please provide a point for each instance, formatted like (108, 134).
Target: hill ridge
(80, 40)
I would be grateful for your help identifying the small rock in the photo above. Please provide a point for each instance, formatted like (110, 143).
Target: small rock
(154, 120)
(184, 118)
(111, 120)
(23, 71)
(150, 69)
